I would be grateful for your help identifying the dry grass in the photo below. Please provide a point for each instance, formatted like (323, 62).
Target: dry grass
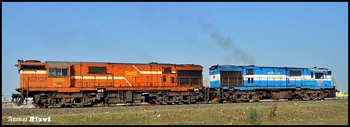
(330, 112)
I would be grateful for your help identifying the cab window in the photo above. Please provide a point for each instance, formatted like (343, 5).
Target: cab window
(319, 76)
(58, 72)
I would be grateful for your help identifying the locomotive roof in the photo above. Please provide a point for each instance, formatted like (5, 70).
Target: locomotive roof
(245, 66)
(70, 62)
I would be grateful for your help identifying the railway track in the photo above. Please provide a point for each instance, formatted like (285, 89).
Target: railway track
(260, 101)
(147, 104)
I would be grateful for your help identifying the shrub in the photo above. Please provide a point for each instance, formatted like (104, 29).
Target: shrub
(253, 116)
(273, 111)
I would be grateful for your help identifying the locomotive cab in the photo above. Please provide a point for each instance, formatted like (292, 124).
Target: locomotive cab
(322, 77)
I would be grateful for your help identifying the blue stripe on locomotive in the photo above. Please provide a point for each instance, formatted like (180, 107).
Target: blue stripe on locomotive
(270, 78)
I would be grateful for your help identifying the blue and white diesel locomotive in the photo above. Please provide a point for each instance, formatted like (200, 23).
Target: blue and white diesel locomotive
(231, 83)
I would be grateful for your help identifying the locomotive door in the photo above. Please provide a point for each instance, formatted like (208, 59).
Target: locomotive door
(165, 76)
(250, 75)
(295, 79)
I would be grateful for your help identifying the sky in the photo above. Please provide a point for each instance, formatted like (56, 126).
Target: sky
(291, 34)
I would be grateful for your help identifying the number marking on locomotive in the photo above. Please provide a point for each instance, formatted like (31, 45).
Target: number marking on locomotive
(57, 79)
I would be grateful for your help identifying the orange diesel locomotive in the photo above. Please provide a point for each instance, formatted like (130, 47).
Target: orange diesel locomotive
(61, 83)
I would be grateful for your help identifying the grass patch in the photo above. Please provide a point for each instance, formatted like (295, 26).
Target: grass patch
(328, 112)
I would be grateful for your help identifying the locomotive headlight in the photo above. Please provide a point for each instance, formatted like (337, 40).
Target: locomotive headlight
(196, 89)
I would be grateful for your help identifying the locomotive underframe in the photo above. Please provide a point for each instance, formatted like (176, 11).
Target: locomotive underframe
(226, 95)
(92, 98)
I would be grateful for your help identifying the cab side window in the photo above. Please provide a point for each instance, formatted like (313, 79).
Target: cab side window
(58, 72)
